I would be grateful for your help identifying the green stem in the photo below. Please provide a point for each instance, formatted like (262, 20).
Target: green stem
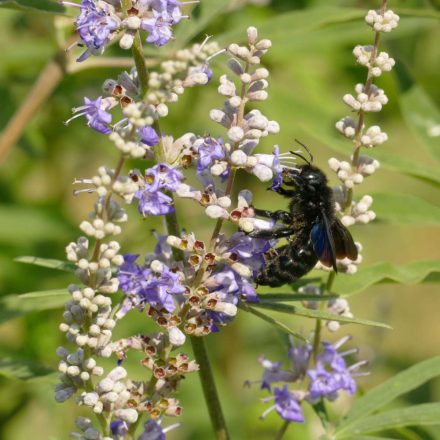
(282, 431)
(318, 325)
(209, 388)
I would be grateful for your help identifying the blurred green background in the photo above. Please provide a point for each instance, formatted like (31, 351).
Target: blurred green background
(311, 67)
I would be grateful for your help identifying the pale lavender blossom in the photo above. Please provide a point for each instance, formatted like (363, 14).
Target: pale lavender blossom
(96, 23)
(95, 112)
(144, 286)
(148, 136)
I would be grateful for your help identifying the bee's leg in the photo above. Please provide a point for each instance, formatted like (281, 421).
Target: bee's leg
(280, 215)
(272, 233)
(285, 192)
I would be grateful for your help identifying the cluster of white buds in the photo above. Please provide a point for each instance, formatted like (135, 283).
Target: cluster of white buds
(245, 130)
(76, 370)
(87, 320)
(381, 63)
(382, 22)
(367, 165)
(88, 432)
(345, 173)
(338, 306)
(371, 102)
(347, 126)
(111, 392)
(373, 136)
(360, 212)
(189, 68)
(100, 270)
(104, 182)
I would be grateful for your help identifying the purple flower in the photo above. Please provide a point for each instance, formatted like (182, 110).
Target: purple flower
(148, 136)
(152, 201)
(143, 286)
(167, 177)
(118, 429)
(153, 430)
(249, 250)
(287, 406)
(95, 25)
(273, 373)
(277, 169)
(300, 357)
(208, 152)
(159, 27)
(331, 373)
(95, 112)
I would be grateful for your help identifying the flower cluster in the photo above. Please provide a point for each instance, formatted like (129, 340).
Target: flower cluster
(322, 378)
(101, 21)
(369, 98)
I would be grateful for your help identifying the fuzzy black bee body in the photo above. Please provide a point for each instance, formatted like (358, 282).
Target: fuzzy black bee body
(314, 231)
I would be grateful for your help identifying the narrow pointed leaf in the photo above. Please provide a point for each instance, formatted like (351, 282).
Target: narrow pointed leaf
(12, 306)
(47, 262)
(44, 6)
(384, 272)
(316, 314)
(23, 370)
(417, 415)
(278, 324)
(288, 297)
(402, 383)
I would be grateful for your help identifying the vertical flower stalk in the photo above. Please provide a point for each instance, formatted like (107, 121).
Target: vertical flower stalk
(368, 98)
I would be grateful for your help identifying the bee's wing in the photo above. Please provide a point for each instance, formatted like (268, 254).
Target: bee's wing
(323, 243)
(344, 244)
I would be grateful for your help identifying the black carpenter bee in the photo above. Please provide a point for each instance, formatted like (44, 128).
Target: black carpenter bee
(313, 230)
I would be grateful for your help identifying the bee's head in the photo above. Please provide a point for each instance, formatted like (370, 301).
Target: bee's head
(305, 176)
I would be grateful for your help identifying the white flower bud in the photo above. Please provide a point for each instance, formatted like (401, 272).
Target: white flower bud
(252, 34)
(263, 172)
(239, 158)
(241, 269)
(176, 336)
(224, 202)
(235, 134)
(215, 211)
(156, 266)
(226, 308)
(129, 415)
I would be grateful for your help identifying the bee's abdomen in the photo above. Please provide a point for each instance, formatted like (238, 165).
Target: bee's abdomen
(291, 262)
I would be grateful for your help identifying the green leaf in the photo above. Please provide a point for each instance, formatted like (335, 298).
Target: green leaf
(45, 6)
(384, 272)
(12, 306)
(421, 115)
(382, 394)
(47, 262)
(417, 415)
(23, 370)
(316, 314)
(205, 12)
(287, 297)
(278, 324)
(405, 209)
(21, 225)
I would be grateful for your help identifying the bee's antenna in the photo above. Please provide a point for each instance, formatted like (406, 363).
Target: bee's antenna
(301, 156)
(308, 151)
